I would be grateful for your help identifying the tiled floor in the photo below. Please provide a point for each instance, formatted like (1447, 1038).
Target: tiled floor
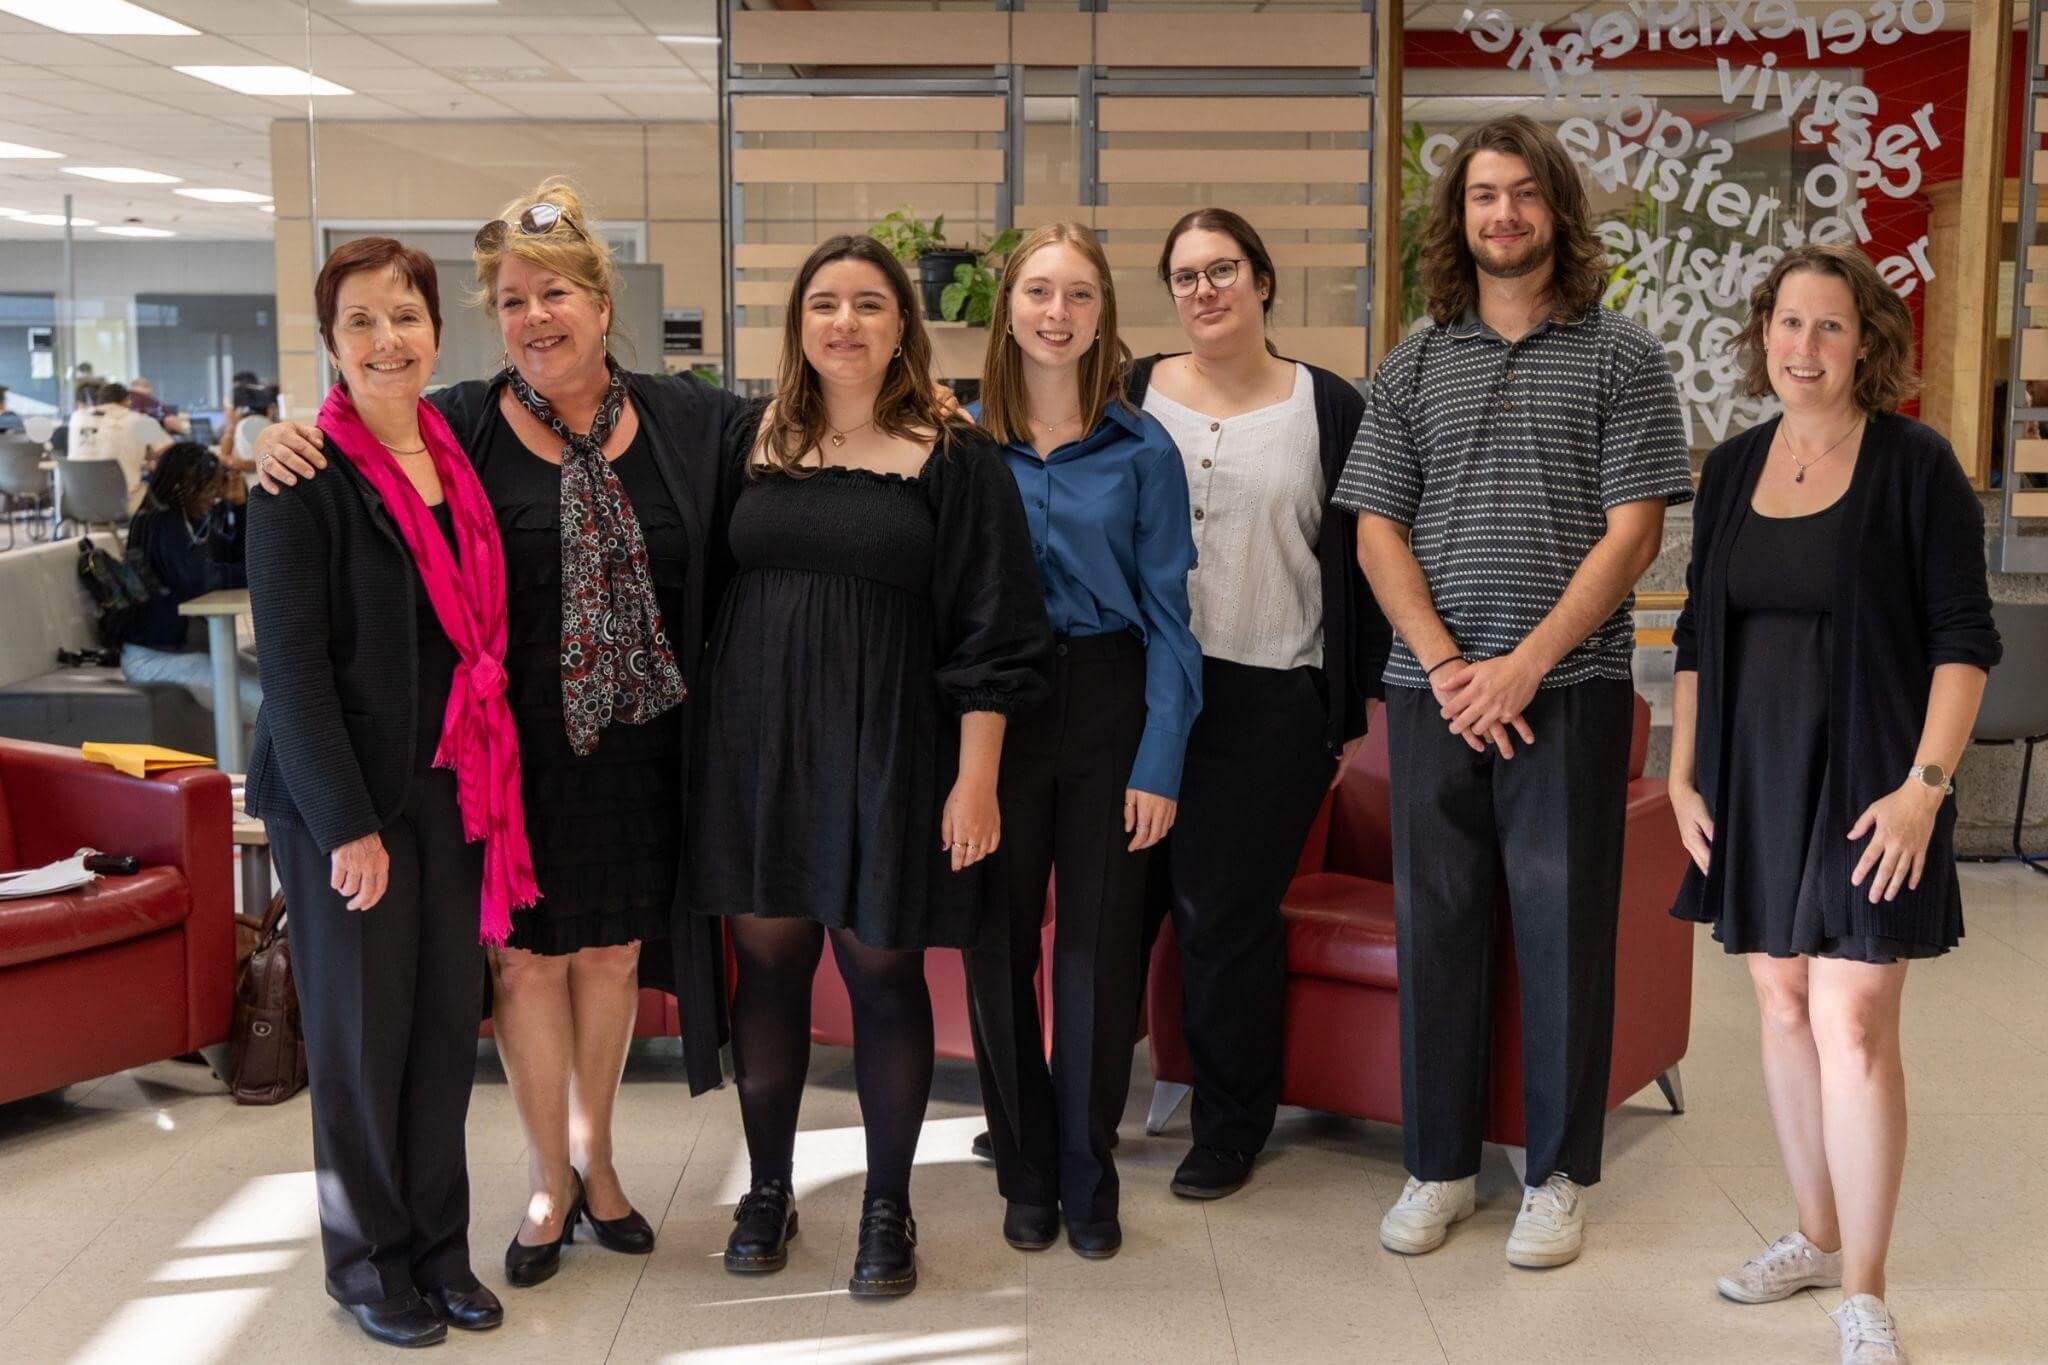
(144, 1218)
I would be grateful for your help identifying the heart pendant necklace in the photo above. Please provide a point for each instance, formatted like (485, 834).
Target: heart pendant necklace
(839, 437)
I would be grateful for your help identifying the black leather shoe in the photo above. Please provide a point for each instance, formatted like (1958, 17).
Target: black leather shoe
(1096, 1241)
(762, 1226)
(632, 1234)
(402, 1320)
(1031, 1227)
(473, 1310)
(1211, 1173)
(527, 1266)
(983, 1147)
(885, 1267)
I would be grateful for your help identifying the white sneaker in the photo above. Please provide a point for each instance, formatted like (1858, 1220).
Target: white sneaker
(1423, 1216)
(1551, 1227)
(1869, 1336)
(1787, 1266)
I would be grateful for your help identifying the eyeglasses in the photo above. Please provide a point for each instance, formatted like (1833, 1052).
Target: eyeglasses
(538, 221)
(1222, 274)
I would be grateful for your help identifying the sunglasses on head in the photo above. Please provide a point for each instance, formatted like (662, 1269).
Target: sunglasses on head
(538, 221)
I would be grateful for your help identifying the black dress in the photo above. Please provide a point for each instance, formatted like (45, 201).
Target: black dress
(867, 613)
(1773, 811)
(603, 826)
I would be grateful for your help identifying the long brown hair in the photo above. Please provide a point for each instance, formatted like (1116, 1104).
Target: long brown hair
(1450, 276)
(1004, 412)
(905, 408)
(1246, 236)
(1885, 376)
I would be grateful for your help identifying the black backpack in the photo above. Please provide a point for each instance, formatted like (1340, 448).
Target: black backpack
(119, 593)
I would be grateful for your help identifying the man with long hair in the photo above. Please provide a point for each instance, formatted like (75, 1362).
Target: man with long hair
(1511, 477)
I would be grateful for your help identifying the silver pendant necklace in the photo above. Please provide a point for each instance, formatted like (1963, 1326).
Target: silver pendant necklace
(1803, 465)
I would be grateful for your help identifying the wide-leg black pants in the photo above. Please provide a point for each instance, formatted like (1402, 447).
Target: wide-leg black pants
(1066, 767)
(1258, 765)
(1546, 825)
(391, 998)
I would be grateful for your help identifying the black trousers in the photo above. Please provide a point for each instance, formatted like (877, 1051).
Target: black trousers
(1257, 768)
(1546, 826)
(1066, 767)
(391, 998)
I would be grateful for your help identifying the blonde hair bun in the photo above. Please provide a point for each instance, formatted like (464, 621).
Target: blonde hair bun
(570, 250)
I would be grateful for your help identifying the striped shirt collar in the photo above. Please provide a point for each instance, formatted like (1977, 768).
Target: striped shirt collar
(1472, 325)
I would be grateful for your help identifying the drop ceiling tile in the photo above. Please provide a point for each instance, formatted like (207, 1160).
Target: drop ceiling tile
(445, 49)
(237, 18)
(697, 107)
(387, 79)
(579, 49)
(465, 105)
(204, 49)
(44, 48)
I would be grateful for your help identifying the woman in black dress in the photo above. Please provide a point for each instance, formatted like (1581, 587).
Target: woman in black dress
(605, 485)
(1831, 656)
(884, 619)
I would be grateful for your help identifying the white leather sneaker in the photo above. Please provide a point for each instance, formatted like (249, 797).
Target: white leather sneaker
(1787, 1266)
(1422, 1218)
(1869, 1336)
(1551, 1228)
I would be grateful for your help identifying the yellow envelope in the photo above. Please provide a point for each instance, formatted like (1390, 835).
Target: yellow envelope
(140, 760)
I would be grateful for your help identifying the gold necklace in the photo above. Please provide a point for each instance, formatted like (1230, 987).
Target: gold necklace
(839, 437)
(1804, 465)
(1073, 416)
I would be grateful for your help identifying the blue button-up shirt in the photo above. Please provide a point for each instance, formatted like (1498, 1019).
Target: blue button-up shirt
(1110, 527)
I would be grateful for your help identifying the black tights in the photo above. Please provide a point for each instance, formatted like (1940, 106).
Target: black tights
(771, 1044)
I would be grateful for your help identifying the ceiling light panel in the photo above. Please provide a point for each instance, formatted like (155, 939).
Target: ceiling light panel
(224, 196)
(266, 80)
(123, 175)
(124, 230)
(53, 220)
(97, 16)
(15, 150)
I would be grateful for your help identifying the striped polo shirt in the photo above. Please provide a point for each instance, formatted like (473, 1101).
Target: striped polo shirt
(1502, 458)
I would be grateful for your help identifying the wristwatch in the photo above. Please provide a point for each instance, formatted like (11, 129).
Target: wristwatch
(1931, 775)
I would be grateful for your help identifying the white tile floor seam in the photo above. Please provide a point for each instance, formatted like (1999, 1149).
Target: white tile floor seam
(142, 1216)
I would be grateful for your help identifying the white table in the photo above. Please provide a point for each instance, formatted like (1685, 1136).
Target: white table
(220, 610)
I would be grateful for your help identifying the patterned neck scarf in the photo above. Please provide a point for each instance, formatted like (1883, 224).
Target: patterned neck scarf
(617, 665)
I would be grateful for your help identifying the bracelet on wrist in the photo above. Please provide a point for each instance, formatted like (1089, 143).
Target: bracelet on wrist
(1430, 672)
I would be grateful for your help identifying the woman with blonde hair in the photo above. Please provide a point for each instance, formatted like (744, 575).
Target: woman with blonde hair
(1832, 653)
(883, 622)
(1090, 779)
(606, 486)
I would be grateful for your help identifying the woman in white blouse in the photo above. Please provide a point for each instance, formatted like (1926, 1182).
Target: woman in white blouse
(1292, 645)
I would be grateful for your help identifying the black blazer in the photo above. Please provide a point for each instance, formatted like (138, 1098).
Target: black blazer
(1911, 597)
(1356, 636)
(331, 590)
(687, 422)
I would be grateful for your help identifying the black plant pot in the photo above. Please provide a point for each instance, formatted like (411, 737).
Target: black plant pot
(934, 272)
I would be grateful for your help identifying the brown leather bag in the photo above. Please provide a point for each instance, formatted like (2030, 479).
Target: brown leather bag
(266, 1047)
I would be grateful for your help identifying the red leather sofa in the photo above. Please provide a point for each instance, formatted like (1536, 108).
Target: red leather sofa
(946, 976)
(131, 969)
(1342, 1048)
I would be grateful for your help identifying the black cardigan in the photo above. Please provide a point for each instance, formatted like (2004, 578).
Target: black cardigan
(686, 421)
(1356, 636)
(331, 591)
(1912, 596)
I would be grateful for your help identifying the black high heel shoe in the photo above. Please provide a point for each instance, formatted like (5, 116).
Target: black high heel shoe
(527, 1266)
(632, 1234)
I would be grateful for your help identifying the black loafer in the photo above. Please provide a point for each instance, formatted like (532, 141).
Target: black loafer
(401, 1320)
(1031, 1227)
(982, 1146)
(632, 1234)
(473, 1310)
(1211, 1173)
(762, 1226)
(1096, 1241)
(885, 1267)
(527, 1266)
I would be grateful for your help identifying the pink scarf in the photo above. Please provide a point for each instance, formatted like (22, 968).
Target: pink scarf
(468, 597)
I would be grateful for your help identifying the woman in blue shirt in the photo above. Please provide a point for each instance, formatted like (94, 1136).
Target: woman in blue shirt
(1089, 780)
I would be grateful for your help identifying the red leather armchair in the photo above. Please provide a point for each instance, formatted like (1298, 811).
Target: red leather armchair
(1342, 1046)
(131, 969)
(946, 976)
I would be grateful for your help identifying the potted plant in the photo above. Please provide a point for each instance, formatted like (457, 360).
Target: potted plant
(972, 294)
(922, 247)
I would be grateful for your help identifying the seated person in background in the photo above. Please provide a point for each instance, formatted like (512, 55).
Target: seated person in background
(253, 407)
(186, 541)
(111, 430)
(9, 421)
(142, 398)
